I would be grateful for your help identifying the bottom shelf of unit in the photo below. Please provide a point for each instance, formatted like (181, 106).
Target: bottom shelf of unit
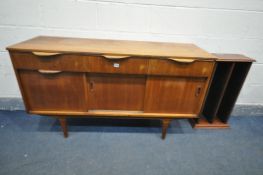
(203, 123)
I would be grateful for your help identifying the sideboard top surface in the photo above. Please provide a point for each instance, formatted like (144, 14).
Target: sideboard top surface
(112, 47)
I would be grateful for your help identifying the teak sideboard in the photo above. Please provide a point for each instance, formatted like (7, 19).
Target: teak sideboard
(74, 77)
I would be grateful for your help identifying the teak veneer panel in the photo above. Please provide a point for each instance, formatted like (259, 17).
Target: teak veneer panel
(65, 62)
(112, 47)
(174, 68)
(116, 92)
(47, 92)
(174, 95)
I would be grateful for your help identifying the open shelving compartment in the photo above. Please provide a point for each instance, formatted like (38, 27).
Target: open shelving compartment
(229, 77)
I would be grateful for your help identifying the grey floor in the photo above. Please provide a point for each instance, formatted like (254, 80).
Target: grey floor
(34, 145)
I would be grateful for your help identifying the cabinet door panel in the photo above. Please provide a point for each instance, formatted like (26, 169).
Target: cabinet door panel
(53, 92)
(116, 92)
(174, 94)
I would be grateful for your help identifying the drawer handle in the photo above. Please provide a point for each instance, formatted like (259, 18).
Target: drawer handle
(49, 71)
(45, 54)
(182, 60)
(114, 57)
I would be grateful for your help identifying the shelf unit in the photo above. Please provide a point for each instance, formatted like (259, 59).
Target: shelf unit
(229, 77)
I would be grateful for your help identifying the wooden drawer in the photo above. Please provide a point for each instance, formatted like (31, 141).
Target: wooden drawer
(34, 61)
(181, 67)
(108, 64)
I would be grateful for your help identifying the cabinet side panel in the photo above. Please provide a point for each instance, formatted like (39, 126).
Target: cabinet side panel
(25, 100)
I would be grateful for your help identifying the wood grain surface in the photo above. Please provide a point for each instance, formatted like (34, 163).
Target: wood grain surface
(111, 47)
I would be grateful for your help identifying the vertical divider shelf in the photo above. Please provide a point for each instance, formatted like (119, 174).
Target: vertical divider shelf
(229, 76)
(233, 89)
(217, 89)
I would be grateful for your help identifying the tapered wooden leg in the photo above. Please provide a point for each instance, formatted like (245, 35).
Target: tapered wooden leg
(165, 125)
(63, 123)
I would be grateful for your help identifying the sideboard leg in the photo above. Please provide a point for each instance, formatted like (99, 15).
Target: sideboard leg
(63, 123)
(165, 124)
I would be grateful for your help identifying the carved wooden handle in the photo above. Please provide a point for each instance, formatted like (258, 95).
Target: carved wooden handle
(114, 57)
(182, 60)
(45, 54)
(49, 71)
